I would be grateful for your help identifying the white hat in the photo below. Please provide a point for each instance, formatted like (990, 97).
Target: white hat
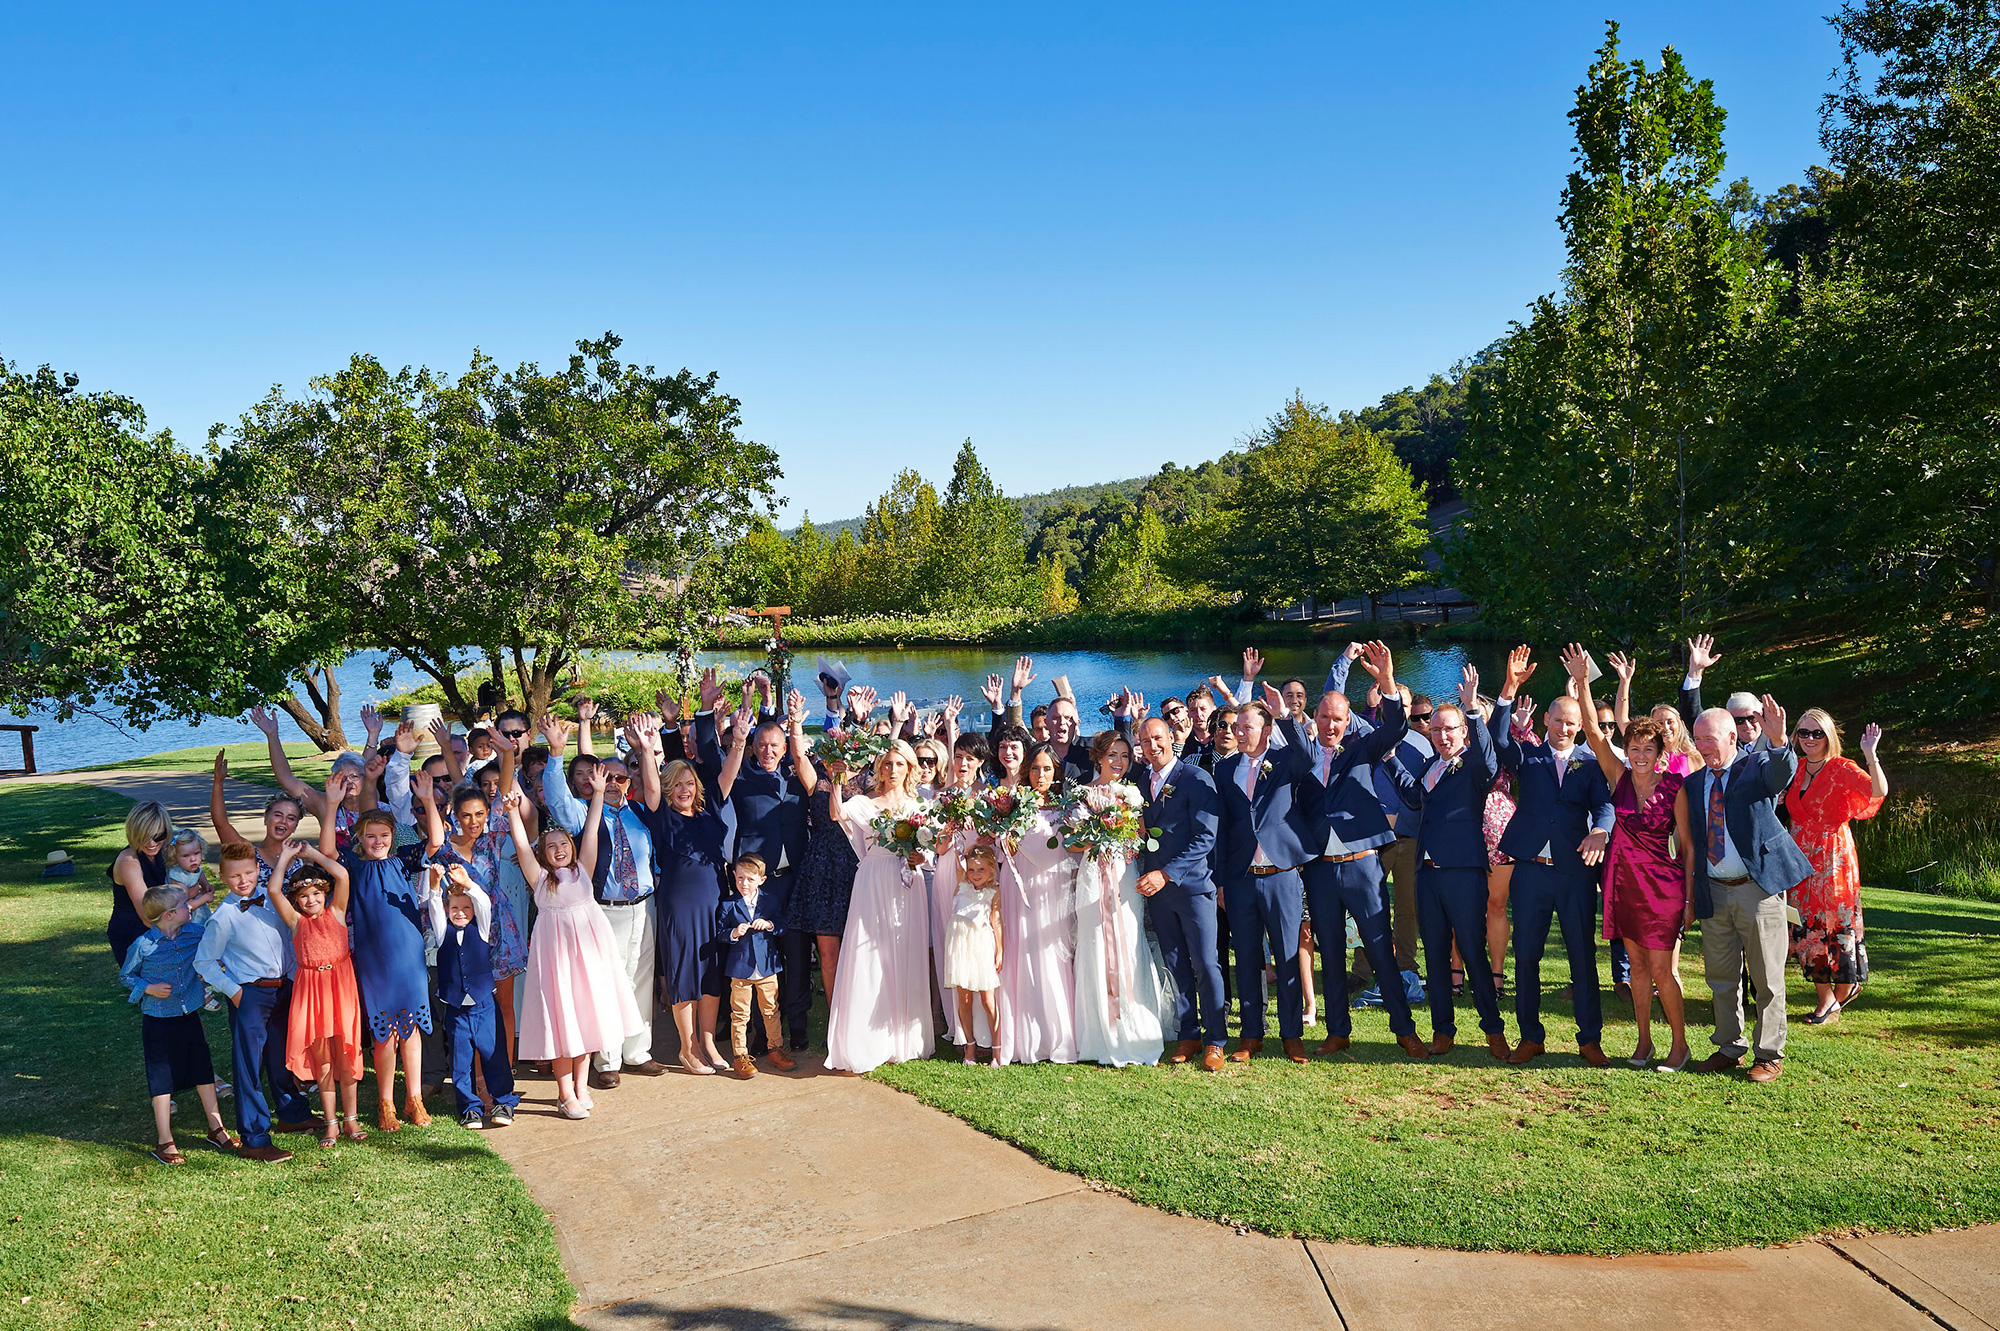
(832, 670)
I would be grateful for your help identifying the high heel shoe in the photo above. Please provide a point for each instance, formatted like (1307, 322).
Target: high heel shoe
(1674, 1067)
(1641, 1058)
(1822, 1018)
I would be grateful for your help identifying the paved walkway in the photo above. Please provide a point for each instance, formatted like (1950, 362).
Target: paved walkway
(184, 793)
(815, 1201)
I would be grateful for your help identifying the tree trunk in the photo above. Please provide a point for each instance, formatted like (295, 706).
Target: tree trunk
(322, 724)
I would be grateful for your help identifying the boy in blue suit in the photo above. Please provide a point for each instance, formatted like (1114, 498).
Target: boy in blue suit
(1180, 894)
(745, 924)
(461, 925)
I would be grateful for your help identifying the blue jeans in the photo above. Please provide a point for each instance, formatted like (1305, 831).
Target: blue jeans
(475, 1032)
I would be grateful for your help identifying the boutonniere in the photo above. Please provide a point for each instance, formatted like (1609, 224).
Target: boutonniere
(1454, 765)
(1264, 768)
(1575, 761)
(1167, 791)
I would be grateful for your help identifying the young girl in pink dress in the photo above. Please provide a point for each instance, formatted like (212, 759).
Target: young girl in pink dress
(576, 1000)
(323, 1034)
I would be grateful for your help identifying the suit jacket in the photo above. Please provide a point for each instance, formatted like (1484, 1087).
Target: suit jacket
(1757, 781)
(770, 806)
(1691, 708)
(1451, 818)
(1185, 820)
(756, 952)
(1548, 811)
(1281, 815)
(1349, 806)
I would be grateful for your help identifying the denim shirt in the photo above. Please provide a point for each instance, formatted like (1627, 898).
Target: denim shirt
(157, 959)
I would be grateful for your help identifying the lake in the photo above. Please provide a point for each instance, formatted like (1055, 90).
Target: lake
(928, 675)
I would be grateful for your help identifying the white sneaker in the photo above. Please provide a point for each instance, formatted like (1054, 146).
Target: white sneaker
(223, 1088)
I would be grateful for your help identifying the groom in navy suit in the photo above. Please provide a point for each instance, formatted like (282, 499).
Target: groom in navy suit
(1269, 816)
(1180, 894)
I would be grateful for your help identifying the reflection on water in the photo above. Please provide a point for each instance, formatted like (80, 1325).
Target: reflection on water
(928, 675)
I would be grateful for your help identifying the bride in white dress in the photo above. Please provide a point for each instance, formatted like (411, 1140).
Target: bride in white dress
(1119, 993)
(880, 1010)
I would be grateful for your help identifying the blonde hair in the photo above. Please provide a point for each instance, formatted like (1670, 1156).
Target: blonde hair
(148, 821)
(937, 751)
(1674, 737)
(186, 836)
(909, 789)
(677, 769)
(158, 901)
(1826, 723)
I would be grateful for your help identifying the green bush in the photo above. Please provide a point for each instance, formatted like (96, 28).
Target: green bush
(1938, 832)
(618, 689)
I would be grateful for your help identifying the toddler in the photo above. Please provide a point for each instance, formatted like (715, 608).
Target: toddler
(461, 925)
(972, 946)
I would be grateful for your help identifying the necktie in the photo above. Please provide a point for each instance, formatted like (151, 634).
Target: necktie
(1250, 781)
(1326, 757)
(622, 863)
(245, 903)
(1716, 816)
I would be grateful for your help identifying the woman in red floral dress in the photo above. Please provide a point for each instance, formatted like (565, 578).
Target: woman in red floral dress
(1827, 792)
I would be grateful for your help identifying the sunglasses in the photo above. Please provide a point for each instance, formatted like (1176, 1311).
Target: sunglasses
(1810, 732)
(1417, 717)
(613, 779)
(513, 734)
(927, 762)
(1749, 720)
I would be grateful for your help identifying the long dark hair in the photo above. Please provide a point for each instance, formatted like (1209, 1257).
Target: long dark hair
(1018, 735)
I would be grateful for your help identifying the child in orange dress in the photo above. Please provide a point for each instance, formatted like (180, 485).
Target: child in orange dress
(323, 1039)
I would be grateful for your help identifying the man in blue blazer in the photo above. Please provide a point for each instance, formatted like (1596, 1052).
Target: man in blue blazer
(1450, 791)
(770, 807)
(1265, 796)
(1562, 819)
(1345, 877)
(1745, 863)
(1180, 894)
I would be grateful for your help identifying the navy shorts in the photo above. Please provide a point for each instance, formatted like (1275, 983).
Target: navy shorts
(176, 1054)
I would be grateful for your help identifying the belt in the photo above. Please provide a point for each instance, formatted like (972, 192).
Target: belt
(635, 901)
(1346, 859)
(1542, 859)
(1728, 882)
(265, 984)
(1264, 870)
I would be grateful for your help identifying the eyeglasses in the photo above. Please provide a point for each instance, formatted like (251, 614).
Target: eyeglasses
(613, 779)
(1419, 717)
(1810, 732)
(1749, 720)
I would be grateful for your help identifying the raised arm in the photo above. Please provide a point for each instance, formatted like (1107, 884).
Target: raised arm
(1701, 655)
(739, 741)
(565, 809)
(423, 787)
(1336, 675)
(795, 728)
(275, 894)
(1621, 709)
(1506, 748)
(338, 786)
(642, 733)
(1878, 787)
(1608, 761)
(1479, 735)
(524, 845)
(441, 734)
(593, 824)
(218, 807)
(334, 870)
(586, 715)
(281, 765)
(1379, 741)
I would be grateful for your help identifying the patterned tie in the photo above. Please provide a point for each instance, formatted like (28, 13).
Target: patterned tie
(622, 863)
(1715, 818)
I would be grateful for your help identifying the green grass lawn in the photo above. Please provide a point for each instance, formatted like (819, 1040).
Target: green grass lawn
(426, 1228)
(1888, 1119)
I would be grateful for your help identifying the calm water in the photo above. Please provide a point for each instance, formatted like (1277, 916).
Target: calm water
(927, 675)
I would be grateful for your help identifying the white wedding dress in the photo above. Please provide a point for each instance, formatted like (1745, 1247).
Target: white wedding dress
(880, 1011)
(1119, 991)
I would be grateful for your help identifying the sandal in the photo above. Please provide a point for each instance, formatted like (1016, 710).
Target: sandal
(352, 1129)
(1822, 1018)
(1500, 984)
(970, 1059)
(415, 1113)
(222, 1140)
(329, 1134)
(1457, 981)
(385, 1116)
(168, 1154)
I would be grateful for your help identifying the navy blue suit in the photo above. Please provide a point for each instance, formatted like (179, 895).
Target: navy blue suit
(1451, 876)
(1555, 807)
(1757, 780)
(1181, 818)
(1351, 810)
(465, 970)
(755, 953)
(1266, 903)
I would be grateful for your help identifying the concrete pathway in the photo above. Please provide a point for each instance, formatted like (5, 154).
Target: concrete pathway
(816, 1201)
(184, 793)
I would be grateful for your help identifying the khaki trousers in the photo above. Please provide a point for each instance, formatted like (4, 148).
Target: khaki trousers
(766, 989)
(1399, 864)
(1747, 929)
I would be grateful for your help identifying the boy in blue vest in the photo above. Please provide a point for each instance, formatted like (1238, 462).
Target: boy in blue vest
(461, 917)
(752, 965)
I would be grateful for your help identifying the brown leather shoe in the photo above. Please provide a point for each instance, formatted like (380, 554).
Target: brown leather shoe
(1211, 1058)
(1295, 1049)
(287, 1125)
(1246, 1048)
(781, 1060)
(1440, 1043)
(1718, 1062)
(1525, 1052)
(604, 1079)
(1186, 1049)
(1413, 1046)
(1594, 1055)
(1334, 1044)
(268, 1155)
(1496, 1045)
(1767, 1069)
(652, 1067)
(385, 1116)
(414, 1112)
(743, 1067)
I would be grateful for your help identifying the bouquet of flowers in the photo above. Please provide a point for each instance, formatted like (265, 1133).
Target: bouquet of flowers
(1006, 815)
(1104, 820)
(956, 807)
(908, 831)
(857, 749)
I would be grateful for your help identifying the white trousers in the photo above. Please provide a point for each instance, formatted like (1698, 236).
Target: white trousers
(633, 941)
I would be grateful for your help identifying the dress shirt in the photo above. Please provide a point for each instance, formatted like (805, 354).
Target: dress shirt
(155, 958)
(239, 946)
(1731, 864)
(569, 813)
(1562, 757)
(396, 788)
(1247, 773)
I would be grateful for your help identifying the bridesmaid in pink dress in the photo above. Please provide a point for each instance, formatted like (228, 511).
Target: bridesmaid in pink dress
(1645, 882)
(1037, 1000)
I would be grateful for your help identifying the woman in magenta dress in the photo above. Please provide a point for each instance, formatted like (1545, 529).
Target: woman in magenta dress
(1645, 881)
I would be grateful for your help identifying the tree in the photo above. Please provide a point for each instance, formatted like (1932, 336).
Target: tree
(1607, 477)
(1323, 510)
(127, 582)
(979, 555)
(528, 514)
(1128, 573)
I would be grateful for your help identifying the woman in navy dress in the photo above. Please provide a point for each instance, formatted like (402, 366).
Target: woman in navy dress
(388, 955)
(688, 841)
(141, 865)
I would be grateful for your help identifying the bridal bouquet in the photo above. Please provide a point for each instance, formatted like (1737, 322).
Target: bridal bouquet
(1006, 815)
(956, 807)
(858, 749)
(1104, 820)
(908, 831)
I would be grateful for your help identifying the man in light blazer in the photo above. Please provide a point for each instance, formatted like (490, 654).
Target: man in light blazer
(1744, 864)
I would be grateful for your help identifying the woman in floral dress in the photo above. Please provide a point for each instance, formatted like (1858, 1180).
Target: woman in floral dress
(1827, 793)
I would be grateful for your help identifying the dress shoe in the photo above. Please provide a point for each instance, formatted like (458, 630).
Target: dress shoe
(1440, 1043)
(1413, 1046)
(268, 1155)
(743, 1067)
(1622, 990)
(414, 1112)
(1525, 1052)
(287, 1125)
(781, 1060)
(1211, 1058)
(1496, 1045)
(1593, 1054)
(1295, 1049)
(1246, 1048)
(798, 1039)
(1767, 1069)
(1187, 1049)
(1718, 1062)
(1333, 1044)
(652, 1067)
(604, 1079)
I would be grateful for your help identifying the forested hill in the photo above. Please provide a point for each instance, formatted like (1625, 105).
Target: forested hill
(1032, 506)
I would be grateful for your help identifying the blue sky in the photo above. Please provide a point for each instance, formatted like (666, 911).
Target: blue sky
(1091, 242)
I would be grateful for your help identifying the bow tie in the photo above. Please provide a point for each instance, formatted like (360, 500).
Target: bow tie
(245, 903)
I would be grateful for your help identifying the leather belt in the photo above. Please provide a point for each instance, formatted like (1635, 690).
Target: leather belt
(1728, 882)
(635, 901)
(1542, 859)
(1345, 859)
(265, 984)
(1264, 870)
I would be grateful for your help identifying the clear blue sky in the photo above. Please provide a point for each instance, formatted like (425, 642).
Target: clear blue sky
(1092, 239)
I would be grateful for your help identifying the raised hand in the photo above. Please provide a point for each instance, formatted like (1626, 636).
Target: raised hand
(1576, 661)
(865, 700)
(953, 706)
(513, 801)
(992, 691)
(1468, 690)
(710, 690)
(1519, 670)
(643, 730)
(406, 737)
(899, 707)
(1024, 674)
(374, 765)
(1274, 700)
(1353, 649)
(795, 708)
(1378, 662)
(586, 711)
(1870, 737)
(221, 764)
(1223, 692)
(741, 722)
(1135, 704)
(371, 721)
(1253, 663)
(669, 705)
(421, 784)
(1701, 654)
(1524, 711)
(596, 780)
(1774, 719)
(1621, 666)
(556, 731)
(441, 734)
(264, 721)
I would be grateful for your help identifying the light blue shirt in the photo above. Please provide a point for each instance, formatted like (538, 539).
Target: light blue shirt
(1731, 864)
(155, 958)
(569, 812)
(240, 945)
